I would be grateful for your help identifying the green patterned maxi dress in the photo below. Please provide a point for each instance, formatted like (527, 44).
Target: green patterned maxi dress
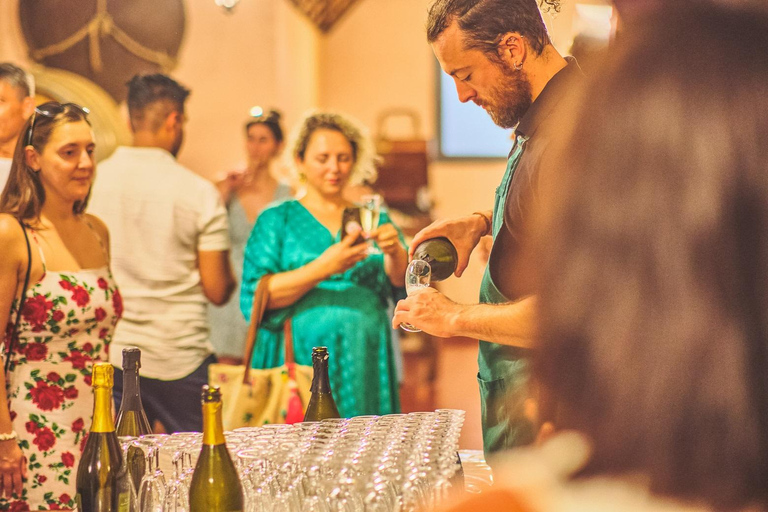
(347, 313)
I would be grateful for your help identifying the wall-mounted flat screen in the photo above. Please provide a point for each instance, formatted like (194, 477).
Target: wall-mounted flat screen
(466, 130)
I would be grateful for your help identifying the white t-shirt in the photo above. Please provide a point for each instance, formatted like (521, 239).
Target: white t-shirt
(5, 170)
(159, 215)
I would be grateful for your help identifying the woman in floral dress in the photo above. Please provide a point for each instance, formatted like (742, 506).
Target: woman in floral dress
(70, 310)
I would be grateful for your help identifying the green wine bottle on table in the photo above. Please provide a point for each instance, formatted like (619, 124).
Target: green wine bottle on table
(131, 419)
(215, 482)
(321, 404)
(100, 465)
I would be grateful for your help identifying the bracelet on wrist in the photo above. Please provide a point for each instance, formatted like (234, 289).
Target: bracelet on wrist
(487, 222)
(10, 435)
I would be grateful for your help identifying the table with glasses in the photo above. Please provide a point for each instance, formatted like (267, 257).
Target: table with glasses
(397, 462)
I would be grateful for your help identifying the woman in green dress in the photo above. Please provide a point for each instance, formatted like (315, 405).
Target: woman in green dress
(334, 292)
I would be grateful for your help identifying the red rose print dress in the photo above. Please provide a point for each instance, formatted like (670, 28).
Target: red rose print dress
(66, 324)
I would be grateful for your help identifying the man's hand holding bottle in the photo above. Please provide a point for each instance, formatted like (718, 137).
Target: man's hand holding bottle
(463, 232)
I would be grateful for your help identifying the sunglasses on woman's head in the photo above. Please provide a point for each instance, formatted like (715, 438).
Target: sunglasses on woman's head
(52, 109)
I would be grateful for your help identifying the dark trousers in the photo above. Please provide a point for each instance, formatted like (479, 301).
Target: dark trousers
(175, 403)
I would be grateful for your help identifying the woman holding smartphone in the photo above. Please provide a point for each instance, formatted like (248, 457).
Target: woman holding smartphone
(325, 282)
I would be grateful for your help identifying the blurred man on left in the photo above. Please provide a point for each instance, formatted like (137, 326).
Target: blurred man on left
(16, 105)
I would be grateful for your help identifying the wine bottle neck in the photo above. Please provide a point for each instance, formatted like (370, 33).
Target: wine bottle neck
(131, 400)
(102, 410)
(320, 381)
(213, 428)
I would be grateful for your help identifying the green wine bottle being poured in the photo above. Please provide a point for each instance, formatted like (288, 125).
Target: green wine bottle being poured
(131, 419)
(321, 404)
(102, 460)
(441, 256)
(215, 482)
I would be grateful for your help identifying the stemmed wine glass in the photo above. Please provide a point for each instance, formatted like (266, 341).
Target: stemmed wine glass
(177, 491)
(417, 275)
(369, 218)
(152, 486)
(126, 485)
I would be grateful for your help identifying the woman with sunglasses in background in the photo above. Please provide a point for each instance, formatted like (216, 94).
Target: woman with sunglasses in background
(55, 270)
(246, 193)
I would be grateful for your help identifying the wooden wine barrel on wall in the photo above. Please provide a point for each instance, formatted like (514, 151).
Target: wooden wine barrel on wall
(110, 128)
(106, 41)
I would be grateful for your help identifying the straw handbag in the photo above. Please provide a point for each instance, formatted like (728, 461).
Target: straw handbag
(254, 397)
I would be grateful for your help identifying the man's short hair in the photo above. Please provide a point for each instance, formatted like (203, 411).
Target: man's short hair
(17, 78)
(146, 90)
(485, 21)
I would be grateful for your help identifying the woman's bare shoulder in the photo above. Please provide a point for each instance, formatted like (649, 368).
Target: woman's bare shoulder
(11, 238)
(10, 229)
(101, 228)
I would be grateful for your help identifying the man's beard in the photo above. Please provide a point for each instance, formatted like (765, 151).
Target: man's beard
(509, 102)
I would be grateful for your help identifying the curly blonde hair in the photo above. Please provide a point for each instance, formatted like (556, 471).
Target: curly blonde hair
(363, 150)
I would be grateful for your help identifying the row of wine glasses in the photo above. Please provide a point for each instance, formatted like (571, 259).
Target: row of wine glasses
(397, 462)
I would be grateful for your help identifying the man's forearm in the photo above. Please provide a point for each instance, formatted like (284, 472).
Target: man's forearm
(507, 324)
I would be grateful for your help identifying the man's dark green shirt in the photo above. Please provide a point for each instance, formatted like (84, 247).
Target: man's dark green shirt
(503, 370)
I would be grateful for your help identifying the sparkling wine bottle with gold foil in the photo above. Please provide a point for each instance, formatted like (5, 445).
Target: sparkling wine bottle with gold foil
(321, 404)
(101, 463)
(215, 482)
(131, 419)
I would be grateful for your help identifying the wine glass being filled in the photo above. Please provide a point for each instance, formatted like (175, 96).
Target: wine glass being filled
(324, 281)
(417, 276)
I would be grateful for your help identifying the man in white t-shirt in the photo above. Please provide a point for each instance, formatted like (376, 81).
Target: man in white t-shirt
(16, 105)
(170, 254)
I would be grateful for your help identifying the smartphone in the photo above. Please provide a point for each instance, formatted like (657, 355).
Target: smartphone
(349, 218)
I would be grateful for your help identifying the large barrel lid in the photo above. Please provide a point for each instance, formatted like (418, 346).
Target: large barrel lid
(106, 41)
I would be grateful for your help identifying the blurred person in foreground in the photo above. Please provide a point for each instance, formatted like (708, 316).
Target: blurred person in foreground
(329, 287)
(16, 105)
(245, 194)
(654, 285)
(501, 58)
(171, 254)
(71, 306)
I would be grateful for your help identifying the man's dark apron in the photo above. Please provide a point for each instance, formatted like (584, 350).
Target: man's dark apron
(503, 371)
